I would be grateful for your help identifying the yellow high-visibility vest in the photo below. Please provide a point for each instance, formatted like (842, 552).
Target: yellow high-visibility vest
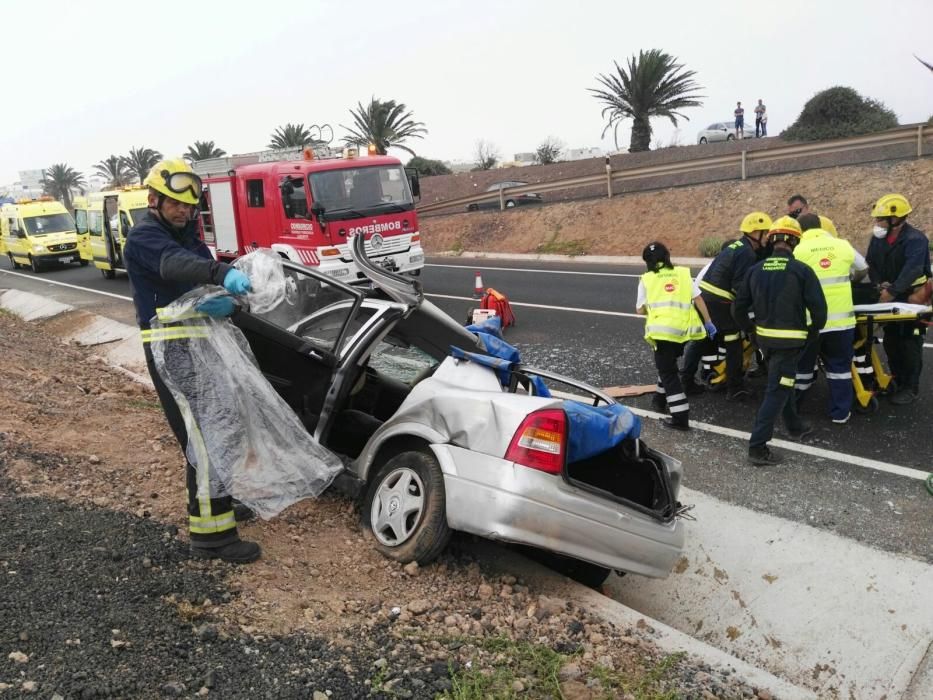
(669, 302)
(831, 259)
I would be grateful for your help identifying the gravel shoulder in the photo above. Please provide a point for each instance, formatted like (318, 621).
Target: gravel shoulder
(99, 599)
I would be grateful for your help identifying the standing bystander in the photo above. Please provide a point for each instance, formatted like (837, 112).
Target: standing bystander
(759, 113)
(739, 121)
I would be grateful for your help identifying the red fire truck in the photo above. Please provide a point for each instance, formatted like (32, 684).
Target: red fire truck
(306, 205)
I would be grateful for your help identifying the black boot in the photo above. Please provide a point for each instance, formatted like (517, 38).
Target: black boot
(679, 421)
(239, 552)
(763, 456)
(658, 403)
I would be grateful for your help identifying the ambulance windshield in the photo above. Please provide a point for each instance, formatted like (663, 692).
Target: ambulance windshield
(48, 223)
(361, 191)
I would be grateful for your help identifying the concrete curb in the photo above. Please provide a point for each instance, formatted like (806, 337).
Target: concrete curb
(119, 346)
(593, 259)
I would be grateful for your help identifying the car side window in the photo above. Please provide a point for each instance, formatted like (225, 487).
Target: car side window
(314, 309)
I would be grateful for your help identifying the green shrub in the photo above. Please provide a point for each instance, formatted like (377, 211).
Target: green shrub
(427, 166)
(710, 247)
(839, 112)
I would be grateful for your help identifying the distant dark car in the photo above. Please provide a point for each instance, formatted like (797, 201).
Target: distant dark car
(511, 200)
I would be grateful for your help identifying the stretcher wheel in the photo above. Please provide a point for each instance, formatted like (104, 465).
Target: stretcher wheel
(872, 406)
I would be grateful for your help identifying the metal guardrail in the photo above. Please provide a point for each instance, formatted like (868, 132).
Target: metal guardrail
(912, 133)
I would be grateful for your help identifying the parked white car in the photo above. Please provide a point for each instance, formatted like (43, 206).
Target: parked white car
(719, 131)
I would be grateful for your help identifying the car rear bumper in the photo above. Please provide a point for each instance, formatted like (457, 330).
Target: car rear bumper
(501, 500)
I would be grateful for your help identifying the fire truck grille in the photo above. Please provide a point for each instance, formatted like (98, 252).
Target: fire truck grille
(390, 244)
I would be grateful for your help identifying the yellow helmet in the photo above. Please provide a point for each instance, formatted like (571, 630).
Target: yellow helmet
(785, 225)
(756, 221)
(174, 178)
(891, 205)
(827, 225)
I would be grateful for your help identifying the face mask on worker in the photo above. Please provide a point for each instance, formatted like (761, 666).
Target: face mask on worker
(879, 231)
(796, 212)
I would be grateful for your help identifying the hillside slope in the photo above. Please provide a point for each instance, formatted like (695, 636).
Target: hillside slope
(682, 217)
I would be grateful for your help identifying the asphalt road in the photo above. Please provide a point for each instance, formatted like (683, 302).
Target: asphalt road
(576, 318)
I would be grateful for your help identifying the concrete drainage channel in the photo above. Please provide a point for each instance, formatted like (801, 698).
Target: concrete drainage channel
(717, 606)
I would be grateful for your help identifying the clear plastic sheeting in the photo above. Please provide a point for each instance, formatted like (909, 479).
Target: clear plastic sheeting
(243, 439)
(267, 276)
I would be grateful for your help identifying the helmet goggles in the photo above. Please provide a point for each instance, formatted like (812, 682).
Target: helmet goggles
(181, 183)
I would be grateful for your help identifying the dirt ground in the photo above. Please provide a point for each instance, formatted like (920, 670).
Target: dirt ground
(73, 429)
(682, 217)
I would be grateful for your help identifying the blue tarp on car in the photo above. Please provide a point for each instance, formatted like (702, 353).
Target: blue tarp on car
(593, 429)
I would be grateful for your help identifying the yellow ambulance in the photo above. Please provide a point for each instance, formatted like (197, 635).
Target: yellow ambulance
(37, 233)
(110, 216)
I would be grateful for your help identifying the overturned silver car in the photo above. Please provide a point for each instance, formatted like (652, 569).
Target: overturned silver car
(434, 443)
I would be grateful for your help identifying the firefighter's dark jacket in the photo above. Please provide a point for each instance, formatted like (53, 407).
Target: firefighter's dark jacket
(905, 263)
(164, 264)
(729, 268)
(780, 291)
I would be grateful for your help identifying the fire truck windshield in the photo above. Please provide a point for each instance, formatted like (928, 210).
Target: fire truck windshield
(358, 191)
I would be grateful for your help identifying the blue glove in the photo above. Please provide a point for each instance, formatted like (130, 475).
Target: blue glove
(236, 282)
(217, 307)
(710, 329)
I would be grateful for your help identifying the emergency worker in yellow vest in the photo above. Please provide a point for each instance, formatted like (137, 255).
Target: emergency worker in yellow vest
(718, 288)
(666, 294)
(832, 260)
(789, 309)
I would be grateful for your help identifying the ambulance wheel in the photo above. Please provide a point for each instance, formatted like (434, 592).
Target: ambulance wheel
(12, 261)
(84, 263)
(108, 274)
(872, 406)
(34, 265)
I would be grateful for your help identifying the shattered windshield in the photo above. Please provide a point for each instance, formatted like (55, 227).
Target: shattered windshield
(48, 223)
(360, 189)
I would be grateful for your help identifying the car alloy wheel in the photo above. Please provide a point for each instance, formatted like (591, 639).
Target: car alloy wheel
(405, 508)
(703, 140)
(730, 137)
(509, 204)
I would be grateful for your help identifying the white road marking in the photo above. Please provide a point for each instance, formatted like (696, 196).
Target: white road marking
(65, 284)
(803, 448)
(531, 269)
(544, 306)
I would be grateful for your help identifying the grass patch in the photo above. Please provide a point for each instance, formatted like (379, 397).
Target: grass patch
(710, 247)
(556, 247)
(646, 686)
(536, 666)
(457, 248)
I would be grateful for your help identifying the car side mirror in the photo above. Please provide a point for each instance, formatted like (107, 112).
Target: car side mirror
(317, 212)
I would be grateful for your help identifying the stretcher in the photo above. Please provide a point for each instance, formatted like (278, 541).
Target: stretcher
(714, 372)
(869, 376)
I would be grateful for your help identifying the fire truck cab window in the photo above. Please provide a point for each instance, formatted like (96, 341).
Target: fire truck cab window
(294, 200)
(358, 189)
(254, 197)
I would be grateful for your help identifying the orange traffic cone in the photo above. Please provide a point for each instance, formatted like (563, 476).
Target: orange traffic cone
(478, 286)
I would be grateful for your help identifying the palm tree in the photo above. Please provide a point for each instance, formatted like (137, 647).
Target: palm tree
(114, 170)
(383, 124)
(140, 161)
(201, 150)
(653, 85)
(60, 180)
(291, 136)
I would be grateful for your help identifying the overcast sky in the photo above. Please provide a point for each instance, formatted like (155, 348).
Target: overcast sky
(84, 80)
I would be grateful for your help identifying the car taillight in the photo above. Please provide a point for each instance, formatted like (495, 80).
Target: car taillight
(539, 441)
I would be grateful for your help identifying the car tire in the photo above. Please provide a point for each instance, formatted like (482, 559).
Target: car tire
(730, 137)
(703, 140)
(108, 274)
(509, 203)
(422, 533)
(472, 207)
(34, 265)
